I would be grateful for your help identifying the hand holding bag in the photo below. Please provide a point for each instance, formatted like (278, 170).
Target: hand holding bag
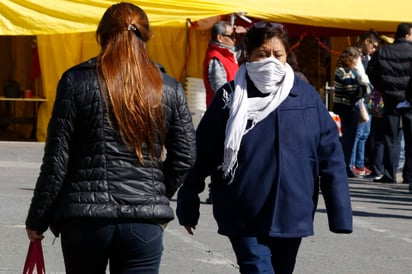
(364, 115)
(34, 259)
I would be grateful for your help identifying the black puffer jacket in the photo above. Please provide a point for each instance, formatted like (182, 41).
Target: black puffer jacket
(88, 171)
(388, 71)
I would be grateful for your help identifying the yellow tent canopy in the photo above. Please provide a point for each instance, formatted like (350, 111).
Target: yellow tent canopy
(34, 17)
(65, 29)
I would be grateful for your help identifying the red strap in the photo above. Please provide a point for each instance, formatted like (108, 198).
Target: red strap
(28, 264)
(34, 258)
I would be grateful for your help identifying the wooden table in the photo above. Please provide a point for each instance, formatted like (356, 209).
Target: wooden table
(27, 119)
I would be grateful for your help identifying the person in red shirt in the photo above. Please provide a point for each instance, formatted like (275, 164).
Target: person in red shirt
(221, 60)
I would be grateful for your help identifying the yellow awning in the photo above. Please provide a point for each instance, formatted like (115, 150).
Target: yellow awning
(34, 17)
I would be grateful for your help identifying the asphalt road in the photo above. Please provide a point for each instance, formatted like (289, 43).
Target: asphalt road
(381, 241)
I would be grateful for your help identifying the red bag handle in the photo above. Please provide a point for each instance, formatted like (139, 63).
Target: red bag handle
(34, 258)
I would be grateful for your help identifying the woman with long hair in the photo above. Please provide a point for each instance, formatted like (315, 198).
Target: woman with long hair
(347, 94)
(105, 181)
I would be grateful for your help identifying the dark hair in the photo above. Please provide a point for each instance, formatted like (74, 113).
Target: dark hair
(347, 57)
(134, 83)
(292, 60)
(218, 28)
(402, 30)
(262, 31)
(372, 35)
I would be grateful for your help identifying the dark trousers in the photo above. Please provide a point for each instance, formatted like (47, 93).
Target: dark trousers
(377, 131)
(130, 247)
(257, 255)
(392, 119)
(349, 117)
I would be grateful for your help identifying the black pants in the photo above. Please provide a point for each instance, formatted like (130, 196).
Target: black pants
(131, 247)
(349, 116)
(392, 119)
(377, 131)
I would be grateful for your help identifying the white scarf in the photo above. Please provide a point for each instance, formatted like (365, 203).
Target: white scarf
(270, 77)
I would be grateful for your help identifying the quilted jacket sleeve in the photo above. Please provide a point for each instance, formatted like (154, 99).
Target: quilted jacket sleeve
(55, 160)
(180, 139)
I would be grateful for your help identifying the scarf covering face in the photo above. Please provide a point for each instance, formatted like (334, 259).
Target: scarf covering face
(270, 77)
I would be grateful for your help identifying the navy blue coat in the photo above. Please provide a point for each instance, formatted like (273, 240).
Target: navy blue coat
(283, 162)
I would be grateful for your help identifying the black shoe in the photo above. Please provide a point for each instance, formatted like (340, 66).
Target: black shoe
(373, 176)
(384, 179)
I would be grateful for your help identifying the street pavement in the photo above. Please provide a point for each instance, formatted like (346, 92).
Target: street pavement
(380, 244)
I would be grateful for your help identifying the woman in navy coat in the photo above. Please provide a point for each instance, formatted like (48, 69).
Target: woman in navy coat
(269, 145)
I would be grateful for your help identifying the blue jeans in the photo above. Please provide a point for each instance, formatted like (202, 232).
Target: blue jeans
(131, 247)
(402, 152)
(358, 151)
(269, 255)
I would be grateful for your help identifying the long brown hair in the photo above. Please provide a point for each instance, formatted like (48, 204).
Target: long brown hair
(133, 81)
(348, 57)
